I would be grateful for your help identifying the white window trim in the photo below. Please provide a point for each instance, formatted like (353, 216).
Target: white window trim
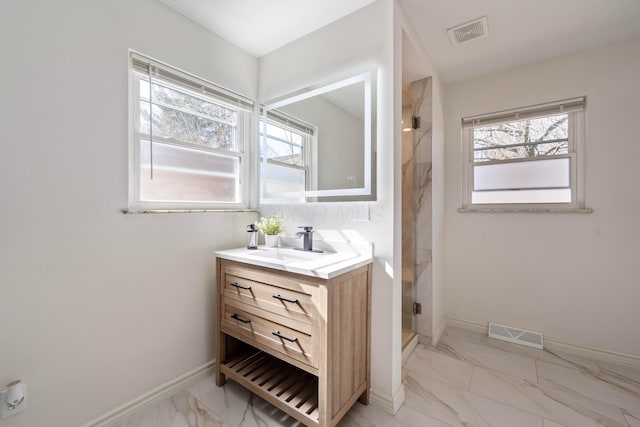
(575, 108)
(224, 97)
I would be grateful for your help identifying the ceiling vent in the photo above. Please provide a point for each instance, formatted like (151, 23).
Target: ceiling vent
(468, 31)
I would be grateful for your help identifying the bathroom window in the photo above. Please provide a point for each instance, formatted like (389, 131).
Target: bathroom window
(526, 159)
(188, 140)
(284, 153)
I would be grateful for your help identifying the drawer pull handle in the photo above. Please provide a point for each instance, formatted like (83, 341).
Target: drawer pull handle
(281, 298)
(279, 335)
(236, 317)
(238, 285)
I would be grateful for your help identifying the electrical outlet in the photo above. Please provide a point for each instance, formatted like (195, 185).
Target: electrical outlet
(7, 410)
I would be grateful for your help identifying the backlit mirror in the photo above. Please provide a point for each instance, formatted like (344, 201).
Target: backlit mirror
(317, 145)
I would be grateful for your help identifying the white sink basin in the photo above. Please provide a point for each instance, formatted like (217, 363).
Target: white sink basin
(286, 255)
(339, 259)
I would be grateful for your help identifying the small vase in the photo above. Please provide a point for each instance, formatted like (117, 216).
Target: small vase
(271, 240)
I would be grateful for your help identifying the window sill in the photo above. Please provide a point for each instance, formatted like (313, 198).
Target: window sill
(165, 211)
(524, 210)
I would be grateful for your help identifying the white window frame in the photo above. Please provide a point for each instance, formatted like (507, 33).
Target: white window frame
(575, 108)
(196, 86)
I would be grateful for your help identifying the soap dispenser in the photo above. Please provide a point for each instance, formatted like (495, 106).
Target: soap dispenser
(252, 237)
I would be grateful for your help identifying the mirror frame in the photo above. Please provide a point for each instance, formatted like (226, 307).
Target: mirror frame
(368, 120)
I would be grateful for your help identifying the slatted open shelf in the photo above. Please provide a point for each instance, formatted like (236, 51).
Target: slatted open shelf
(289, 388)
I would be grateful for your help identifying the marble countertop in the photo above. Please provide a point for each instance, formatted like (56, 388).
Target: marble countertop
(335, 259)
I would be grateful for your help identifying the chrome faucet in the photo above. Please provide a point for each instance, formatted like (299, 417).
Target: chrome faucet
(307, 235)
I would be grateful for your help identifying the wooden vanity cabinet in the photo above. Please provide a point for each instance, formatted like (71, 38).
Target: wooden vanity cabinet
(301, 343)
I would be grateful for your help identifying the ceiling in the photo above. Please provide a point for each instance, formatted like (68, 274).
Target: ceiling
(520, 31)
(260, 26)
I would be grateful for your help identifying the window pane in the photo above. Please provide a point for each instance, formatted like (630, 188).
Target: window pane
(281, 179)
(184, 127)
(548, 173)
(168, 96)
(282, 145)
(284, 134)
(544, 136)
(186, 118)
(187, 175)
(283, 152)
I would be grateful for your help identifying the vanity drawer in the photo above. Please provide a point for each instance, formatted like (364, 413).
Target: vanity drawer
(270, 332)
(294, 304)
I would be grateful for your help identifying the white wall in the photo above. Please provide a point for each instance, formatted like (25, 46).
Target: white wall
(97, 307)
(439, 190)
(573, 277)
(416, 68)
(316, 58)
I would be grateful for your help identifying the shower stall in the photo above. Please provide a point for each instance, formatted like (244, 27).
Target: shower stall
(417, 271)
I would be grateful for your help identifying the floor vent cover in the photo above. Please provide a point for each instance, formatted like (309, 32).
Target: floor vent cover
(516, 335)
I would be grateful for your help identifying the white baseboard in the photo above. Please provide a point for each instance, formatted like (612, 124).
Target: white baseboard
(597, 354)
(440, 327)
(469, 325)
(391, 404)
(154, 396)
(408, 349)
(588, 352)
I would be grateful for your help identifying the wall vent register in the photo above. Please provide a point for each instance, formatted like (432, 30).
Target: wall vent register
(516, 335)
(469, 31)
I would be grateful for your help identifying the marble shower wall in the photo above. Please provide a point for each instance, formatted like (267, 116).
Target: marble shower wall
(421, 94)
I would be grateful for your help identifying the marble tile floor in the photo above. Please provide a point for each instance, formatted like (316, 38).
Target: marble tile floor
(468, 380)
